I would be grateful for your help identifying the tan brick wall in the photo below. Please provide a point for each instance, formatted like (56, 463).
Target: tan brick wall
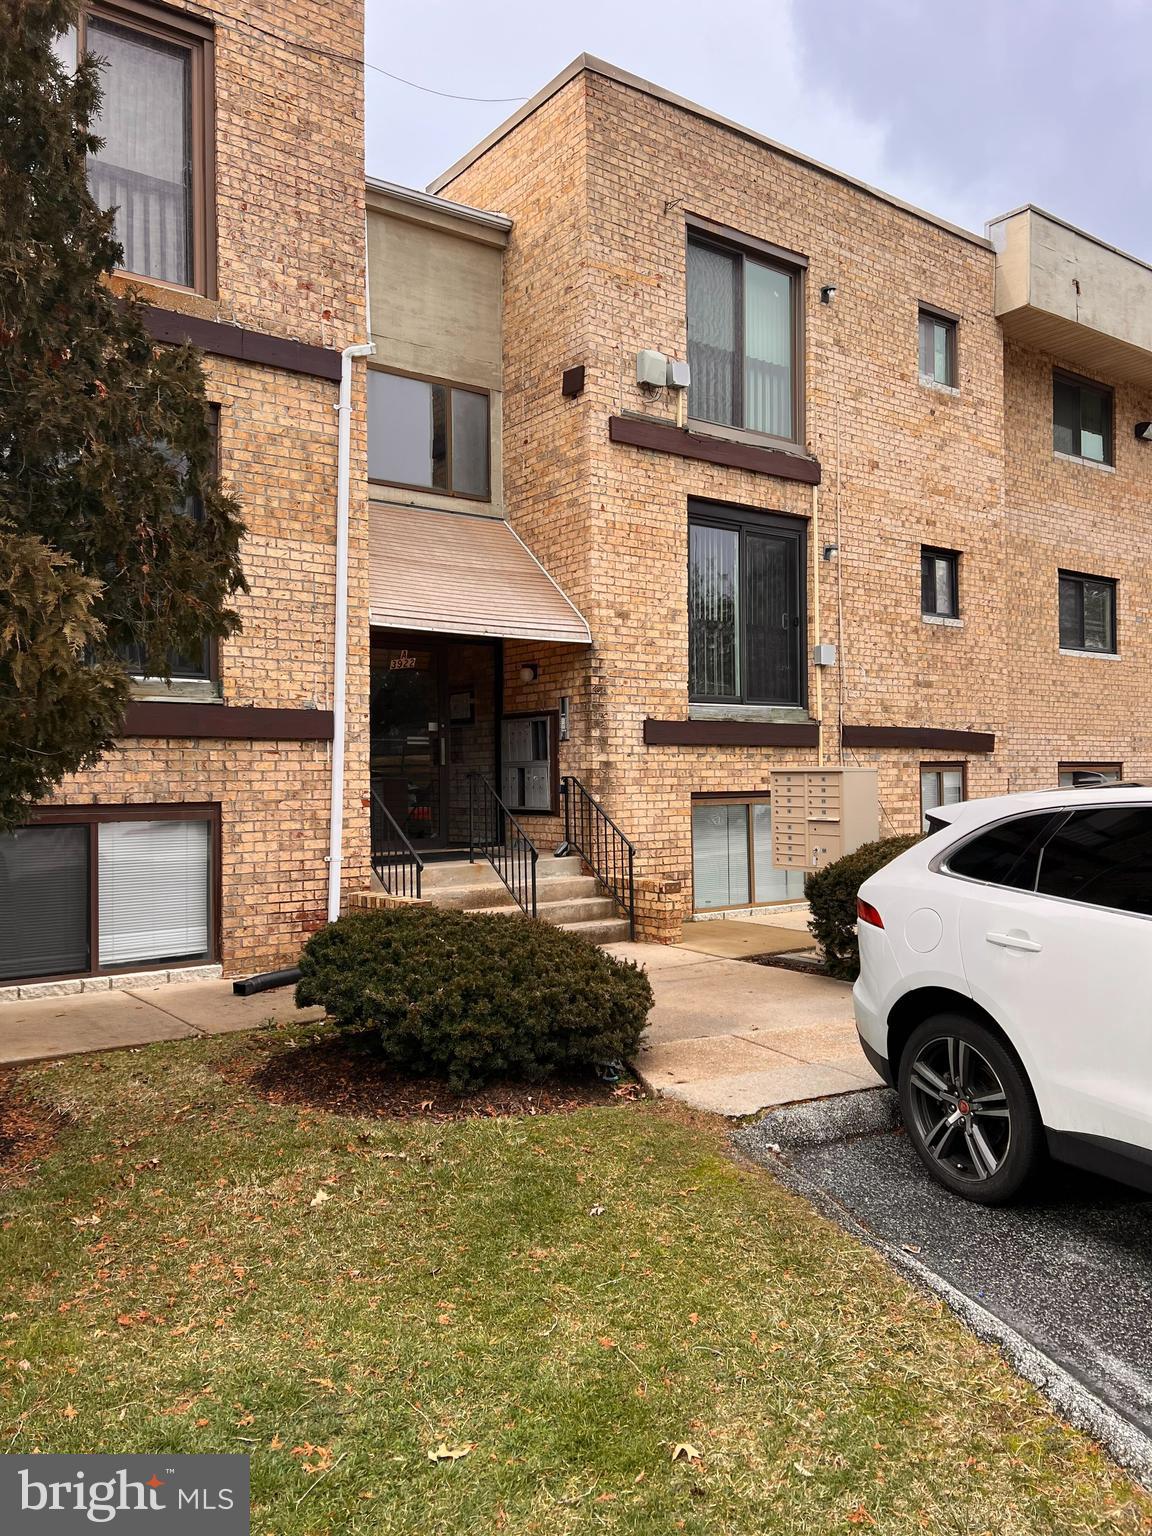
(1070, 516)
(903, 464)
(290, 216)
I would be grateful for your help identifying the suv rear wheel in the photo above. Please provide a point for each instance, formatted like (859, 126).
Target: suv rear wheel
(968, 1109)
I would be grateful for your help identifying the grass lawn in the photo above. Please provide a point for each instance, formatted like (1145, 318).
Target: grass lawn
(564, 1299)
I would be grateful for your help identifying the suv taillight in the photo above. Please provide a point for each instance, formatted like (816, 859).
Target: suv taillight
(867, 913)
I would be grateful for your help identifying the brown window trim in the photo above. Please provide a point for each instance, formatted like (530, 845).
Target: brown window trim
(553, 717)
(942, 767)
(796, 266)
(198, 36)
(448, 384)
(91, 816)
(715, 447)
(929, 737)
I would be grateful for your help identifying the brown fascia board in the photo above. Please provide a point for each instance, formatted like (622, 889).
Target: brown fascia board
(588, 63)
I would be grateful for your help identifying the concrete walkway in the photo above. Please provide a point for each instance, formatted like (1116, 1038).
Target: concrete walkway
(103, 1021)
(735, 1038)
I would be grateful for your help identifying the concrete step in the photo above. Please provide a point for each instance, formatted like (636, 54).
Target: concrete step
(603, 930)
(492, 893)
(458, 872)
(583, 909)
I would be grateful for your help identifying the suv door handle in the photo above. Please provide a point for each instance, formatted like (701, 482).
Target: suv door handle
(1014, 941)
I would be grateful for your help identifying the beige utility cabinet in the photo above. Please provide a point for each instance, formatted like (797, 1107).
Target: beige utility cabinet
(820, 813)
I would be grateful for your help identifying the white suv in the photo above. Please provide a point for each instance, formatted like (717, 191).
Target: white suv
(1006, 987)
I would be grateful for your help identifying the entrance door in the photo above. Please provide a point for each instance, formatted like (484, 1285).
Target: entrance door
(433, 722)
(407, 746)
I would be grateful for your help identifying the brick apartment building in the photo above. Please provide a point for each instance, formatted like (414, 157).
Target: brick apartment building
(908, 445)
(234, 150)
(902, 440)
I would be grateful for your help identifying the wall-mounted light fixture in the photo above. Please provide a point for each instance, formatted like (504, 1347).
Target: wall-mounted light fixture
(827, 293)
(529, 672)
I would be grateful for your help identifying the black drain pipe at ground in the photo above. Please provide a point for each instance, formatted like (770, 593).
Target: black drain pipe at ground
(265, 982)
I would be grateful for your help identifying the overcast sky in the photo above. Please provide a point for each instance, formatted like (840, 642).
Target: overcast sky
(966, 109)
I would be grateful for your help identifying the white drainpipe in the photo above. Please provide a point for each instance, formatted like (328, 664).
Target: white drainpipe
(340, 667)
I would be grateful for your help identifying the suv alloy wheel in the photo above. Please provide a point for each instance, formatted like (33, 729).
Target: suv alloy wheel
(968, 1109)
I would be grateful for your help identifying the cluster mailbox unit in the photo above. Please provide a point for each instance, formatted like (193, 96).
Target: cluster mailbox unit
(818, 814)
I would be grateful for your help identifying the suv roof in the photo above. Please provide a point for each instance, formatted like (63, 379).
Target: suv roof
(972, 813)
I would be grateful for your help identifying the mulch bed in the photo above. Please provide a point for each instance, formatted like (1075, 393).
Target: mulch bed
(345, 1076)
(27, 1132)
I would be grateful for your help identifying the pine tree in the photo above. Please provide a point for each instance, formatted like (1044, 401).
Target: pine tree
(108, 492)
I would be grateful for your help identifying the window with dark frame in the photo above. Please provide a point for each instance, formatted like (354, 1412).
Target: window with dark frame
(1081, 418)
(201, 663)
(940, 784)
(939, 583)
(1084, 775)
(745, 607)
(429, 435)
(155, 166)
(937, 348)
(1087, 613)
(92, 890)
(743, 349)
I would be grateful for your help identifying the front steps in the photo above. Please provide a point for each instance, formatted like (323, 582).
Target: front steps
(564, 895)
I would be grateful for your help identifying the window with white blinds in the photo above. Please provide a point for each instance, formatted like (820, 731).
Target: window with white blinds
(153, 890)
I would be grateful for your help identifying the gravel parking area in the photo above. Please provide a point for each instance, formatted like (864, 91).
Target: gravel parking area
(1069, 1274)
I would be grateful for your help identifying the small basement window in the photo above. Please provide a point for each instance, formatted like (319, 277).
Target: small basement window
(90, 890)
(732, 857)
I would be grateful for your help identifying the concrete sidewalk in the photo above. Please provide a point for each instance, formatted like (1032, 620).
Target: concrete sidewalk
(734, 1038)
(103, 1021)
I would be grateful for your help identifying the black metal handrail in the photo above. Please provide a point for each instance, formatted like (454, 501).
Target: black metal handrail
(494, 832)
(395, 863)
(591, 832)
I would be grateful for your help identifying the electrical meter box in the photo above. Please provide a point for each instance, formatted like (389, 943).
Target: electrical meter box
(818, 814)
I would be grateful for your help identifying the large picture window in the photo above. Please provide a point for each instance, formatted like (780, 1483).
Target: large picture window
(743, 312)
(428, 435)
(732, 857)
(155, 164)
(745, 607)
(104, 888)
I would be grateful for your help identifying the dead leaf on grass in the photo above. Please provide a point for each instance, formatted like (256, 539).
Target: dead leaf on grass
(685, 1452)
(446, 1452)
(319, 1198)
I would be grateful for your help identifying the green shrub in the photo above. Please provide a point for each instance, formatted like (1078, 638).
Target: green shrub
(831, 894)
(472, 997)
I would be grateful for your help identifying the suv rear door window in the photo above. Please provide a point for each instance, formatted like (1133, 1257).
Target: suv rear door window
(1103, 857)
(1005, 854)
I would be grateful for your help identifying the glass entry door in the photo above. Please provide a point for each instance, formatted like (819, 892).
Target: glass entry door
(406, 750)
(432, 724)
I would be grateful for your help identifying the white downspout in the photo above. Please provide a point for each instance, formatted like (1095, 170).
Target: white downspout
(340, 666)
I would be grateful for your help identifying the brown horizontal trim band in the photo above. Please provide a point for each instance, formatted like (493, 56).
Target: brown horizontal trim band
(247, 346)
(663, 437)
(144, 718)
(728, 733)
(918, 736)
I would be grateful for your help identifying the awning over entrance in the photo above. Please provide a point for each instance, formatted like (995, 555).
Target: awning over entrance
(462, 575)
